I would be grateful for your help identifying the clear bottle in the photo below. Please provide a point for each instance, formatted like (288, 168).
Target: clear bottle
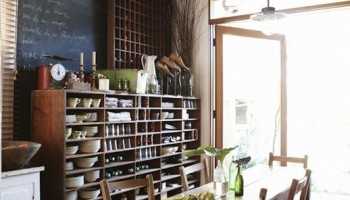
(219, 173)
(152, 85)
(81, 74)
(239, 183)
(232, 175)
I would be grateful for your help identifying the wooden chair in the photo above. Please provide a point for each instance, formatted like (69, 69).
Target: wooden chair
(285, 159)
(297, 186)
(108, 187)
(262, 194)
(184, 171)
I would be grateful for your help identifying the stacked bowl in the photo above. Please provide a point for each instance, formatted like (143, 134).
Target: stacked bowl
(91, 176)
(90, 130)
(74, 181)
(70, 150)
(169, 150)
(69, 166)
(89, 146)
(89, 193)
(85, 162)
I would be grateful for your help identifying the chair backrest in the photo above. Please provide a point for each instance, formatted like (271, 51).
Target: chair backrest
(285, 159)
(305, 191)
(108, 187)
(184, 171)
(262, 194)
(298, 185)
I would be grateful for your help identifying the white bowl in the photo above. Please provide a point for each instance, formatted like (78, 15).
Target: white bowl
(71, 118)
(82, 117)
(74, 181)
(91, 176)
(85, 162)
(92, 117)
(169, 150)
(89, 146)
(72, 195)
(89, 193)
(90, 130)
(70, 150)
(69, 166)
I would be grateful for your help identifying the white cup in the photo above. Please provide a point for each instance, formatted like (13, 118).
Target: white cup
(87, 102)
(68, 132)
(103, 84)
(76, 135)
(96, 103)
(73, 102)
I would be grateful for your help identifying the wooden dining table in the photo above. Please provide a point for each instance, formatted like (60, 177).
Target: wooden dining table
(275, 179)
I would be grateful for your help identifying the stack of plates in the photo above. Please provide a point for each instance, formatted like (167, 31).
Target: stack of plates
(86, 162)
(89, 146)
(89, 193)
(74, 181)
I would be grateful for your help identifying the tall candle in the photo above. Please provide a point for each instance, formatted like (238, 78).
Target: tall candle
(94, 58)
(81, 58)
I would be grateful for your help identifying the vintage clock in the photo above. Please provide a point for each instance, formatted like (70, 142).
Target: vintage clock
(57, 72)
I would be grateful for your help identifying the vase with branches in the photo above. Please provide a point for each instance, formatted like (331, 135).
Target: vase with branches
(185, 15)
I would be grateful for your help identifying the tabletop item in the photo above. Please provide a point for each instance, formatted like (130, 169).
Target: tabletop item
(16, 154)
(275, 179)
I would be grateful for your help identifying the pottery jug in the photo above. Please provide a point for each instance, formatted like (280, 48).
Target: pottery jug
(148, 64)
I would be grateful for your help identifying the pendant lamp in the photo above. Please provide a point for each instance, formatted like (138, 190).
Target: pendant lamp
(268, 15)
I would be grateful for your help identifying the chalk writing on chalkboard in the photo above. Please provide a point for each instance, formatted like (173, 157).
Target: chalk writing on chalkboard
(59, 27)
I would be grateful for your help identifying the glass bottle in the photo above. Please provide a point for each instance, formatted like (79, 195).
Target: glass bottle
(152, 85)
(81, 74)
(239, 183)
(220, 183)
(232, 175)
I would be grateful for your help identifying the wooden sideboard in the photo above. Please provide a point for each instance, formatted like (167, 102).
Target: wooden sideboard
(131, 147)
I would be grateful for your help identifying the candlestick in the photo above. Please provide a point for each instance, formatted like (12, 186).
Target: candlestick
(94, 78)
(81, 58)
(94, 58)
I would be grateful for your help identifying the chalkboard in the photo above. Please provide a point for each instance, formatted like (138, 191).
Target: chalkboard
(64, 28)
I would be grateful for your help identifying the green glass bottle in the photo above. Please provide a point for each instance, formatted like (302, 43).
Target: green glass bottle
(239, 183)
(232, 175)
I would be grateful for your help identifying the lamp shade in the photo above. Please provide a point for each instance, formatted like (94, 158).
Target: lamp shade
(268, 14)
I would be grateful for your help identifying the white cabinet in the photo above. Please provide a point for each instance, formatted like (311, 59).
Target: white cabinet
(23, 184)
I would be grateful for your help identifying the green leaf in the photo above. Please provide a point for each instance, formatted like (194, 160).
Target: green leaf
(211, 151)
(221, 154)
(242, 161)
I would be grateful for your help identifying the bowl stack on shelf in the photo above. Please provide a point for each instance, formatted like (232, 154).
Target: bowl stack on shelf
(89, 146)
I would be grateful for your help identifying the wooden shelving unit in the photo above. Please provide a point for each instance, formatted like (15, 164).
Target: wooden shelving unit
(136, 28)
(139, 142)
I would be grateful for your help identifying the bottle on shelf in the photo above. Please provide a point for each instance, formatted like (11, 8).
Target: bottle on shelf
(232, 175)
(81, 74)
(239, 183)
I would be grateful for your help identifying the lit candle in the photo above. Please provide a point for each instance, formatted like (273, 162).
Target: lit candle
(94, 58)
(81, 58)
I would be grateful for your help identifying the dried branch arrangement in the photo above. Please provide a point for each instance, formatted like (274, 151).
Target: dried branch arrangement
(185, 15)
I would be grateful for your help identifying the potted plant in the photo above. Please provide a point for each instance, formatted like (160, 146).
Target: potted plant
(220, 180)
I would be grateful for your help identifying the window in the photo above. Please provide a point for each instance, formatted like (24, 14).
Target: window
(8, 63)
